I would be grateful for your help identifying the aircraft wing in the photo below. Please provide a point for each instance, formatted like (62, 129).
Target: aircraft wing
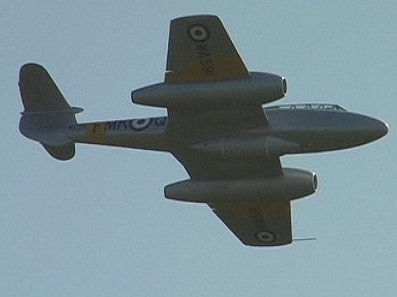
(207, 167)
(266, 224)
(200, 50)
(258, 224)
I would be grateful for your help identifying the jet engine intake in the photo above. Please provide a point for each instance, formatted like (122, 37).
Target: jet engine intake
(260, 88)
(292, 184)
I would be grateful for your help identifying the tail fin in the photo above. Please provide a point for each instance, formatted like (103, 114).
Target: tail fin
(47, 115)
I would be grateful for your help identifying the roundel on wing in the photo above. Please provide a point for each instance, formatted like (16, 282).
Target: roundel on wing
(198, 33)
(265, 236)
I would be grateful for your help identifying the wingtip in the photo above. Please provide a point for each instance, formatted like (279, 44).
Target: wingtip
(195, 17)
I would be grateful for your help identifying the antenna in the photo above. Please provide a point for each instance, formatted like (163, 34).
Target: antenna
(305, 239)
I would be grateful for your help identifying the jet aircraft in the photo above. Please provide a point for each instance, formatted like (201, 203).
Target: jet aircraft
(216, 128)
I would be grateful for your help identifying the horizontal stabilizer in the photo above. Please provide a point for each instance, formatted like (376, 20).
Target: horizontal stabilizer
(61, 152)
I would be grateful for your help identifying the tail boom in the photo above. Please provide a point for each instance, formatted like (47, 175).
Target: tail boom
(147, 134)
(49, 119)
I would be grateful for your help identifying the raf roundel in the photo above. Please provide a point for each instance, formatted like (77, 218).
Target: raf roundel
(141, 124)
(199, 33)
(265, 236)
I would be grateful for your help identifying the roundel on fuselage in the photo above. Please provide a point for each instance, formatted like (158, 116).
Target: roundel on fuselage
(141, 124)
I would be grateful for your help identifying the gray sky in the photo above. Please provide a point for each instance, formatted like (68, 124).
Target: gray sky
(99, 225)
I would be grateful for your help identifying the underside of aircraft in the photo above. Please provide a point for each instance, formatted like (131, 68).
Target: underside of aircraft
(216, 128)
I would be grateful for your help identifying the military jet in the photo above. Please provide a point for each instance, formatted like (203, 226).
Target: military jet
(216, 128)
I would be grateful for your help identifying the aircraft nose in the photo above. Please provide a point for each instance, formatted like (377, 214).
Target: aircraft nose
(382, 129)
(378, 129)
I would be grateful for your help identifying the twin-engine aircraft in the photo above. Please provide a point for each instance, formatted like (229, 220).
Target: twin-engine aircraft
(216, 127)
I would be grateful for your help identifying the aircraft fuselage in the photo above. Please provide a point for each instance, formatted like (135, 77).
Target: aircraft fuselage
(292, 129)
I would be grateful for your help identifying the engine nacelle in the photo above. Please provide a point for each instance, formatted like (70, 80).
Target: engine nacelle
(260, 88)
(292, 184)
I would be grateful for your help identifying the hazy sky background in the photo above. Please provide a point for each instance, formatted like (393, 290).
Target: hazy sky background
(99, 225)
